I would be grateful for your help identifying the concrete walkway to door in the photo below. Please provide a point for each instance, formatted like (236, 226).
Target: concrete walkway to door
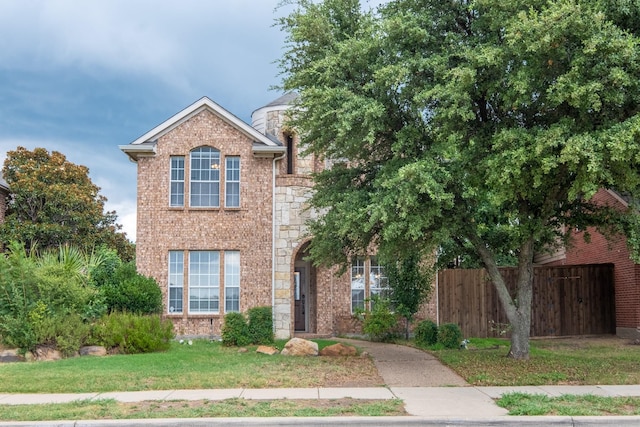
(402, 366)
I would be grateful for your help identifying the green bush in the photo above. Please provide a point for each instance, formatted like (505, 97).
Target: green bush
(45, 300)
(426, 333)
(380, 324)
(131, 333)
(128, 291)
(260, 325)
(449, 335)
(235, 331)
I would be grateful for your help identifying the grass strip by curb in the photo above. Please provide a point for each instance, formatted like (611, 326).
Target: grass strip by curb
(568, 405)
(110, 409)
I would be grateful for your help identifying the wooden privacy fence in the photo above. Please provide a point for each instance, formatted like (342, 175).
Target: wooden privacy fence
(567, 300)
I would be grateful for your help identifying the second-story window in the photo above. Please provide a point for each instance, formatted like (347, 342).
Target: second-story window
(176, 197)
(205, 177)
(232, 182)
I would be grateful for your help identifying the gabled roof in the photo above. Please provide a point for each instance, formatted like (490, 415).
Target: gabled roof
(146, 144)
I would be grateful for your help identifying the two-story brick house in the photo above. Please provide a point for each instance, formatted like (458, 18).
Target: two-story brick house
(221, 218)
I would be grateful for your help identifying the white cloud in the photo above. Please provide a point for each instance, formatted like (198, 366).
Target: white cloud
(175, 42)
(82, 77)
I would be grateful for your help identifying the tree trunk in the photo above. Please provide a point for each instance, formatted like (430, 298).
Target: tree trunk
(518, 309)
(520, 331)
(521, 323)
(406, 330)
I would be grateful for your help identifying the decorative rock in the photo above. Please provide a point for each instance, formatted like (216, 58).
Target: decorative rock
(93, 350)
(300, 347)
(46, 354)
(11, 355)
(338, 349)
(264, 349)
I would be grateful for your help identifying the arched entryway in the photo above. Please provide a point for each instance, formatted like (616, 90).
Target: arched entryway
(304, 292)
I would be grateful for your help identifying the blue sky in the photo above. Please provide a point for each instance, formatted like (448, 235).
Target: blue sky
(82, 77)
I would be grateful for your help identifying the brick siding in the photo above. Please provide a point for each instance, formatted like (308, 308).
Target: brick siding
(626, 273)
(246, 229)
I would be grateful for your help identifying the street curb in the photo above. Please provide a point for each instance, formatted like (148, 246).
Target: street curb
(408, 421)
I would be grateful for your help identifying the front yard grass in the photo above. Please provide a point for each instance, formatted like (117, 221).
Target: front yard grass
(203, 365)
(561, 361)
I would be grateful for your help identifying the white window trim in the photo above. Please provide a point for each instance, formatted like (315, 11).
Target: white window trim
(172, 181)
(191, 287)
(211, 181)
(227, 181)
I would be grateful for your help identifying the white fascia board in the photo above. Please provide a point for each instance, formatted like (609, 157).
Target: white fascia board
(136, 151)
(268, 151)
(195, 108)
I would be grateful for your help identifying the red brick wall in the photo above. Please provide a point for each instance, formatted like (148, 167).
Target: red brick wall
(247, 229)
(3, 204)
(600, 250)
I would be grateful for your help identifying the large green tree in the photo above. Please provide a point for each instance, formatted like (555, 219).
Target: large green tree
(486, 123)
(53, 202)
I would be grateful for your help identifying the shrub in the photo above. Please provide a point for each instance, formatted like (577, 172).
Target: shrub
(128, 291)
(380, 324)
(426, 333)
(44, 301)
(260, 325)
(131, 333)
(235, 331)
(449, 335)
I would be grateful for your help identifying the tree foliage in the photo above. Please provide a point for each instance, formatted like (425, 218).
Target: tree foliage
(409, 285)
(485, 124)
(53, 202)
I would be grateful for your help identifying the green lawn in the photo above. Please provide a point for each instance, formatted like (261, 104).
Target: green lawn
(569, 405)
(605, 360)
(110, 409)
(208, 364)
(203, 365)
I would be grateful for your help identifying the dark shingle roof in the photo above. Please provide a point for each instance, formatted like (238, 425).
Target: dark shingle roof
(286, 99)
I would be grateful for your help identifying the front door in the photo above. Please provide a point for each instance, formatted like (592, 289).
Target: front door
(300, 291)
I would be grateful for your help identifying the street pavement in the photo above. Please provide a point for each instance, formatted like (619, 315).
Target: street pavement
(432, 395)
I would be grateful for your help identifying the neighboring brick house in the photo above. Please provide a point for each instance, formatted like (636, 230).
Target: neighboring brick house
(221, 224)
(4, 193)
(599, 250)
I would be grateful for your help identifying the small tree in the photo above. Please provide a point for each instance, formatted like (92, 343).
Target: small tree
(409, 285)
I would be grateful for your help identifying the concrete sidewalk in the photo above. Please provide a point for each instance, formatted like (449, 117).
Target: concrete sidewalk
(465, 402)
(432, 395)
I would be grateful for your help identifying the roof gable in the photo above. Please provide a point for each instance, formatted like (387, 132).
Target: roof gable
(145, 144)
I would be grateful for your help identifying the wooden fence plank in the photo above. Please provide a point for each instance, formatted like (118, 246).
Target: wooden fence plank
(567, 300)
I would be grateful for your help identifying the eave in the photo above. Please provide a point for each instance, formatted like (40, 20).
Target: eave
(137, 151)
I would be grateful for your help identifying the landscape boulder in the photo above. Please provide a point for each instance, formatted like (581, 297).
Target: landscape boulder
(44, 354)
(264, 349)
(11, 355)
(338, 349)
(93, 350)
(300, 347)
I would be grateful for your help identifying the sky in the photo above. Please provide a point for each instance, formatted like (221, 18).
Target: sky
(82, 77)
